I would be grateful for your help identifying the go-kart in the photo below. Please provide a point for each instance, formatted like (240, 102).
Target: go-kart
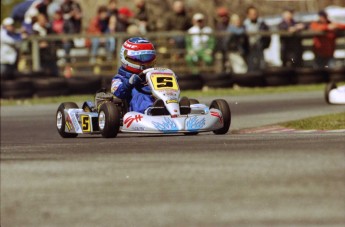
(334, 94)
(109, 115)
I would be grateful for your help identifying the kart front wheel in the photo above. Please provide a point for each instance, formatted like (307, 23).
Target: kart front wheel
(223, 106)
(109, 120)
(61, 119)
(330, 86)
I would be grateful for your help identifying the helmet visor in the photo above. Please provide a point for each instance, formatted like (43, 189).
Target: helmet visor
(144, 56)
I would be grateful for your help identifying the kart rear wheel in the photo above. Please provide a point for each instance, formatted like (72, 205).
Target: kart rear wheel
(109, 120)
(61, 119)
(223, 106)
(330, 86)
(193, 101)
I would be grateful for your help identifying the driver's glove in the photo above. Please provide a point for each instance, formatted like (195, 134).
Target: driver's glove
(135, 80)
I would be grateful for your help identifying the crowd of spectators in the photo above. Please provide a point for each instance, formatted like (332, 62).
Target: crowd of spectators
(242, 48)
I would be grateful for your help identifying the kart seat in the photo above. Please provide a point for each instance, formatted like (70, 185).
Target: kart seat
(184, 106)
(158, 108)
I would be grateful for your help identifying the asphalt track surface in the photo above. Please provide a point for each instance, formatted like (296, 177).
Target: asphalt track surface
(286, 179)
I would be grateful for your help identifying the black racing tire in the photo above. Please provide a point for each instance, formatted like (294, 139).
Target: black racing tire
(190, 83)
(218, 80)
(310, 76)
(330, 86)
(279, 76)
(224, 107)
(250, 79)
(21, 88)
(336, 75)
(46, 87)
(106, 82)
(60, 119)
(84, 84)
(225, 83)
(109, 120)
(16, 84)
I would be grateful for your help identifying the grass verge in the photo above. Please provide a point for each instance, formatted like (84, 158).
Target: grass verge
(236, 91)
(325, 122)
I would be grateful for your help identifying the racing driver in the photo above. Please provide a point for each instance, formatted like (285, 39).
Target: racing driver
(137, 54)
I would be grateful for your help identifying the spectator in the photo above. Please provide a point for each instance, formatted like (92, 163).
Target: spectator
(141, 16)
(47, 52)
(253, 24)
(99, 25)
(72, 15)
(112, 8)
(9, 45)
(178, 20)
(31, 12)
(57, 22)
(221, 25)
(222, 19)
(42, 7)
(291, 49)
(19, 10)
(324, 45)
(237, 44)
(123, 19)
(200, 43)
(29, 19)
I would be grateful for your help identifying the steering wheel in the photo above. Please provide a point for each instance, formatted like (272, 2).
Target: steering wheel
(140, 86)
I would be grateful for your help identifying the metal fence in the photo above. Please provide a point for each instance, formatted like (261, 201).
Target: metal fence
(168, 55)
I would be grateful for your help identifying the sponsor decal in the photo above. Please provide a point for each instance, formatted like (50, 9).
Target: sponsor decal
(140, 52)
(195, 123)
(138, 128)
(216, 114)
(69, 123)
(75, 122)
(115, 83)
(126, 44)
(85, 123)
(166, 126)
(171, 101)
(128, 121)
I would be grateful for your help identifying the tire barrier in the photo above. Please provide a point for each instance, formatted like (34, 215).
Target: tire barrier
(20, 88)
(190, 81)
(220, 80)
(84, 84)
(250, 79)
(279, 76)
(50, 87)
(336, 75)
(38, 84)
(310, 76)
(106, 82)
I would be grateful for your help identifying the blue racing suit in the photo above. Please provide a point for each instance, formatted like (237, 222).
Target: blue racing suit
(122, 89)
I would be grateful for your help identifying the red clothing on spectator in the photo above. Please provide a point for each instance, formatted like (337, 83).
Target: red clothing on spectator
(324, 45)
(57, 26)
(94, 27)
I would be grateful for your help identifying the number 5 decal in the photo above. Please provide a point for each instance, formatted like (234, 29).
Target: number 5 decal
(85, 123)
(161, 81)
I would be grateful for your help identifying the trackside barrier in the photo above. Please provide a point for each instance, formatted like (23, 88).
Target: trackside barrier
(86, 77)
(26, 86)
